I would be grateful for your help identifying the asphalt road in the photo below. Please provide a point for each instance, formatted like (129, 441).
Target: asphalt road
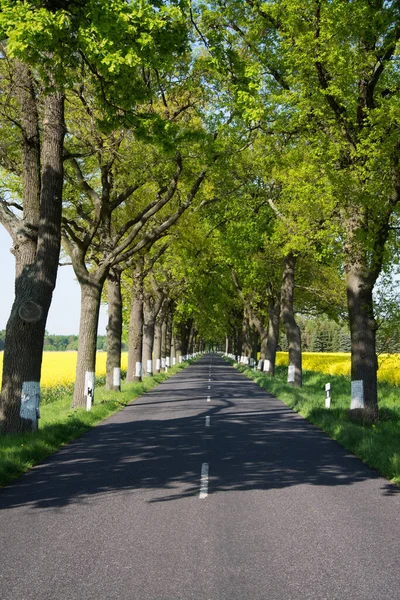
(207, 488)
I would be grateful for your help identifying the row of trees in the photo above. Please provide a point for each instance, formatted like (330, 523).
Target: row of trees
(213, 168)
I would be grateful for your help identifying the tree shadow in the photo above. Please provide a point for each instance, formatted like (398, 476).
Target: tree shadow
(254, 442)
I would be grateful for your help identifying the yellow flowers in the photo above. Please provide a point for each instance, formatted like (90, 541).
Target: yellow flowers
(339, 364)
(58, 368)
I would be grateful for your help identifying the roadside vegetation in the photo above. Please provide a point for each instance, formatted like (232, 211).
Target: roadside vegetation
(376, 443)
(60, 424)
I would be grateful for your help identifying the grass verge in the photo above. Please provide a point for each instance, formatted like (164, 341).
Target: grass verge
(377, 444)
(59, 424)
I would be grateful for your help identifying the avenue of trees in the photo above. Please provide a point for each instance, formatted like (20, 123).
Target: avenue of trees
(223, 174)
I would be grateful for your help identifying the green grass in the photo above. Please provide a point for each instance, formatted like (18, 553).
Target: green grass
(376, 444)
(59, 424)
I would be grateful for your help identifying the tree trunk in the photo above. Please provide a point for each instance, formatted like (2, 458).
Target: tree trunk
(246, 346)
(149, 323)
(34, 285)
(157, 345)
(290, 326)
(271, 345)
(89, 320)
(364, 362)
(168, 337)
(135, 335)
(25, 242)
(151, 309)
(114, 330)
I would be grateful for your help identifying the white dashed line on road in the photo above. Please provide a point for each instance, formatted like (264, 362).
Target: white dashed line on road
(204, 481)
(208, 399)
(208, 421)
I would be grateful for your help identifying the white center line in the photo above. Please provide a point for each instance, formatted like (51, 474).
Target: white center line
(208, 399)
(208, 421)
(204, 481)
(209, 387)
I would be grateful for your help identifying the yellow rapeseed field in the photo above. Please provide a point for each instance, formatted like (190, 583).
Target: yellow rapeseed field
(58, 368)
(339, 364)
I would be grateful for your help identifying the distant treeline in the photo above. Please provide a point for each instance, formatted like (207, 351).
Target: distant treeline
(325, 335)
(62, 343)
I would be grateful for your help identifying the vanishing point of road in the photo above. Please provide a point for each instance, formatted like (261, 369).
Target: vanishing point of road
(206, 488)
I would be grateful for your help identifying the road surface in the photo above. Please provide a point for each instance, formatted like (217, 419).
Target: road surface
(207, 488)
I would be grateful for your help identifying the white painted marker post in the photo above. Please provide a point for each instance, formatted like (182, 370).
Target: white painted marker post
(89, 389)
(328, 395)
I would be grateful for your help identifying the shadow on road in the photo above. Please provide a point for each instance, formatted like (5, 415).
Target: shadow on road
(254, 443)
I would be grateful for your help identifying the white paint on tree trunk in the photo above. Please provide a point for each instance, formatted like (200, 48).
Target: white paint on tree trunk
(267, 365)
(149, 367)
(168, 361)
(117, 377)
(291, 373)
(138, 369)
(163, 365)
(180, 359)
(158, 364)
(260, 365)
(173, 361)
(357, 394)
(30, 401)
(89, 389)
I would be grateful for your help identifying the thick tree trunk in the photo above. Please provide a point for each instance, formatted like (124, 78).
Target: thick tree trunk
(157, 345)
(246, 337)
(151, 309)
(25, 242)
(168, 337)
(164, 337)
(364, 362)
(114, 330)
(135, 335)
(89, 320)
(271, 344)
(34, 285)
(290, 326)
(149, 324)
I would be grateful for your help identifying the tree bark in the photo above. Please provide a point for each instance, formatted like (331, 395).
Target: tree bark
(89, 320)
(135, 335)
(25, 240)
(114, 330)
(364, 362)
(36, 280)
(157, 344)
(290, 326)
(168, 337)
(271, 343)
(151, 308)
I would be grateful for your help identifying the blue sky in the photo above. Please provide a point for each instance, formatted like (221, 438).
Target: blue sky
(64, 311)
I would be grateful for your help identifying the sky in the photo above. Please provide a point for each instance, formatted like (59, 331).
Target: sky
(63, 316)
